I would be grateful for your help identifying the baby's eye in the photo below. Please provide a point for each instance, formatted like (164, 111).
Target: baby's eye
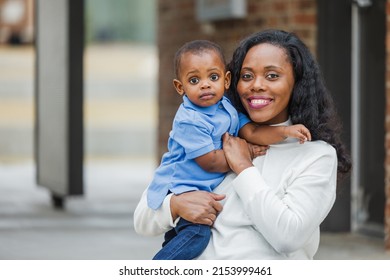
(194, 80)
(214, 77)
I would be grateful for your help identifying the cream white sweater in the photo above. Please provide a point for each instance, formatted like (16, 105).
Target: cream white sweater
(271, 211)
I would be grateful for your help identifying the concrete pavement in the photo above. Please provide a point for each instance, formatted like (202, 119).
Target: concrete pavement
(98, 225)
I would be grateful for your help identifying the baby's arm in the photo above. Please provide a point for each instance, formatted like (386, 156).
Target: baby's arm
(266, 135)
(213, 161)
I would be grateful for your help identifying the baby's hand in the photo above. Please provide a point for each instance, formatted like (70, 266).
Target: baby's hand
(298, 131)
(257, 150)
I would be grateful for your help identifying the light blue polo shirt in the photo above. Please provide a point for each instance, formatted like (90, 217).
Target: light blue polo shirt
(195, 131)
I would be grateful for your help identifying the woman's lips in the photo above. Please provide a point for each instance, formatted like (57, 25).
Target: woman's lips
(258, 102)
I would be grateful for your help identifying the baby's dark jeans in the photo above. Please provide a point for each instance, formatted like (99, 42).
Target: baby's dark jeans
(185, 242)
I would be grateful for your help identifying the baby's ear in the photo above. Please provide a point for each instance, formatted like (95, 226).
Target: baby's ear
(228, 78)
(178, 86)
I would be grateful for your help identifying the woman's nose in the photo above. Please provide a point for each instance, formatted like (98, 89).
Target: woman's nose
(258, 85)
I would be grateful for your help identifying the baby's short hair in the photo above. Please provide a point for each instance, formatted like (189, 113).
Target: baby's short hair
(196, 47)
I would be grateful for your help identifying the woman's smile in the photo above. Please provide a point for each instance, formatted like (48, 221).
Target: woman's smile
(259, 102)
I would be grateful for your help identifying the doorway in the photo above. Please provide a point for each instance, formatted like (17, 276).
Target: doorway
(361, 201)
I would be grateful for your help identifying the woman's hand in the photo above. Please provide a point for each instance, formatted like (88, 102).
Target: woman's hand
(237, 153)
(198, 207)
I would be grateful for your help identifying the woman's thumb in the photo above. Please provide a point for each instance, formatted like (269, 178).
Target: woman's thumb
(217, 196)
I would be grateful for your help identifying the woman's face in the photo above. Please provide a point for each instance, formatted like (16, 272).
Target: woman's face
(266, 83)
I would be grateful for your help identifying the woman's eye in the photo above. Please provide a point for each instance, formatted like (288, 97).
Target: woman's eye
(246, 76)
(272, 76)
(214, 77)
(194, 80)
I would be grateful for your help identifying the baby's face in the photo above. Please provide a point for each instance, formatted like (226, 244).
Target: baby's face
(202, 78)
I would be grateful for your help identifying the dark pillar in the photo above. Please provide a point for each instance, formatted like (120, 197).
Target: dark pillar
(334, 56)
(360, 204)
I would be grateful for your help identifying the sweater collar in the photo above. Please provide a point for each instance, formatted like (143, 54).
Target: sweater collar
(286, 123)
(288, 139)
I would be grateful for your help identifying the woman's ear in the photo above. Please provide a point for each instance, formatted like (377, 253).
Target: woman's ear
(178, 86)
(228, 78)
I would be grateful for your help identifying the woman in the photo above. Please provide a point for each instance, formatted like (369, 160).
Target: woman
(270, 208)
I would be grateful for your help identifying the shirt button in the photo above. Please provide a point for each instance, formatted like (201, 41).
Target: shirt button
(220, 106)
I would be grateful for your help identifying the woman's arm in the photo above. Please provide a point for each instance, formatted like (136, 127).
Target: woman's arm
(289, 219)
(288, 222)
(151, 222)
(197, 207)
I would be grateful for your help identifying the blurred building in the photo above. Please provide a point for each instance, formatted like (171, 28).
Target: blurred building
(120, 20)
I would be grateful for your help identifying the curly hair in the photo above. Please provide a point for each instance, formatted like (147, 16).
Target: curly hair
(311, 104)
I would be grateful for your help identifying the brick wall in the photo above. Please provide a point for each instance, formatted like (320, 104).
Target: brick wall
(177, 24)
(387, 123)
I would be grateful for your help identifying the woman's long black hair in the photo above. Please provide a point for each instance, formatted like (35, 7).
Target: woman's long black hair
(311, 104)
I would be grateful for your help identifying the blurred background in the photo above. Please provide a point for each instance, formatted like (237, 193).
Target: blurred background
(119, 117)
(73, 168)
(120, 75)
